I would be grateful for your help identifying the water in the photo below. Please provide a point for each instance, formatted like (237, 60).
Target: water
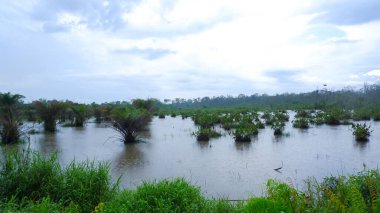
(221, 167)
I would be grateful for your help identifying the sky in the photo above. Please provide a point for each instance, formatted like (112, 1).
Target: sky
(102, 51)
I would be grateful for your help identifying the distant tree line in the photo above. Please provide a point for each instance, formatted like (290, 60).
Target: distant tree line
(368, 96)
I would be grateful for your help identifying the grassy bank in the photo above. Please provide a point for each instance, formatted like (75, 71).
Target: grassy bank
(30, 182)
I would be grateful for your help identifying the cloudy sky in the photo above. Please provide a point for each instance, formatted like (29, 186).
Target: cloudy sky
(94, 50)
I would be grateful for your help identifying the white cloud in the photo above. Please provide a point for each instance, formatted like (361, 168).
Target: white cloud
(373, 73)
(232, 41)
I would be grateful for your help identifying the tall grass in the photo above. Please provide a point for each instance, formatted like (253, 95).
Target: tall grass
(30, 182)
(30, 176)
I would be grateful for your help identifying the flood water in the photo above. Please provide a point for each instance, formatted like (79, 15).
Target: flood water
(221, 167)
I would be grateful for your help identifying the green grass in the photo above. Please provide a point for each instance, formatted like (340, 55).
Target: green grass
(32, 177)
(33, 183)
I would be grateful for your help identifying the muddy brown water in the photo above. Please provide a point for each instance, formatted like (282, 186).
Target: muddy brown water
(221, 167)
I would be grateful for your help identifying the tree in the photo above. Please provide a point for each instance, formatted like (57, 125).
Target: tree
(80, 114)
(10, 117)
(129, 122)
(48, 112)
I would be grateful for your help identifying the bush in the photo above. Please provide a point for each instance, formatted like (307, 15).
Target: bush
(278, 127)
(301, 123)
(204, 134)
(163, 196)
(361, 131)
(244, 132)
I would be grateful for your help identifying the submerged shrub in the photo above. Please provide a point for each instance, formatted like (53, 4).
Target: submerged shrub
(204, 134)
(301, 123)
(10, 118)
(336, 116)
(161, 115)
(129, 122)
(278, 127)
(244, 132)
(361, 131)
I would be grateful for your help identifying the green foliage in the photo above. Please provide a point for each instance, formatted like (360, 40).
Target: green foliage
(48, 111)
(264, 205)
(205, 120)
(164, 196)
(148, 105)
(361, 131)
(278, 126)
(30, 176)
(10, 118)
(129, 122)
(303, 114)
(336, 116)
(361, 114)
(318, 118)
(32, 183)
(80, 114)
(376, 115)
(161, 115)
(301, 123)
(204, 134)
(244, 132)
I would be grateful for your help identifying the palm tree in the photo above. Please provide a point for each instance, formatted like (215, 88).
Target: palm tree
(129, 122)
(10, 117)
(48, 112)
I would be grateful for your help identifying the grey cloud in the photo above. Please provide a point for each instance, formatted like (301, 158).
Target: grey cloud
(149, 53)
(347, 12)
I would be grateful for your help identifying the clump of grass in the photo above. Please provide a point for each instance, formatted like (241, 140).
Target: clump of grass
(204, 134)
(164, 196)
(261, 204)
(361, 131)
(30, 176)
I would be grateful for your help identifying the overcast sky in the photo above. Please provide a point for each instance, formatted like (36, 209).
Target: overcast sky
(100, 51)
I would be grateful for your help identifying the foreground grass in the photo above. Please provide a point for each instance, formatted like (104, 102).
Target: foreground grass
(30, 182)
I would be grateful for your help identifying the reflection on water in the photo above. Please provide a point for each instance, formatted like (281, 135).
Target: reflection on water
(204, 144)
(220, 166)
(243, 146)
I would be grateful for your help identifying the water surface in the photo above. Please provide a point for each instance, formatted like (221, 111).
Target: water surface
(221, 167)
